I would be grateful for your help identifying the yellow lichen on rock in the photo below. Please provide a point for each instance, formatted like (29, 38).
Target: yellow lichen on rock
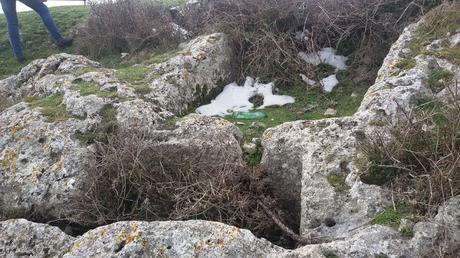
(9, 161)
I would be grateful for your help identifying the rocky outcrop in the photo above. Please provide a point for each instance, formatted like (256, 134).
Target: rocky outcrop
(317, 164)
(212, 239)
(170, 239)
(67, 102)
(133, 239)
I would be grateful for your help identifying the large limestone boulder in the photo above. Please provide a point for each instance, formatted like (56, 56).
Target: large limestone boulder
(198, 71)
(22, 238)
(170, 239)
(67, 103)
(212, 239)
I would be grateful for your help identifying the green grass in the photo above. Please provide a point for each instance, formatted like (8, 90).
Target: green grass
(51, 107)
(391, 217)
(102, 131)
(36, 39)
(406, 64)
(439, 23)
(137, 76)
(160, 57)
(310, 104)
(437, 80)
(87, 88)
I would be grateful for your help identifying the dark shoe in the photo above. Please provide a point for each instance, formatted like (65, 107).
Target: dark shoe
(64, 42)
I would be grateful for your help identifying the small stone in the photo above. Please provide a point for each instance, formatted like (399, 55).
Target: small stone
(124, 55)
(250, 148)
(240, 123)
(354, 95)
(330, 112)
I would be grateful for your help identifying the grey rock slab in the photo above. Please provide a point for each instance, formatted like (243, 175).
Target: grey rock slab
(170, 239)
(22, 238)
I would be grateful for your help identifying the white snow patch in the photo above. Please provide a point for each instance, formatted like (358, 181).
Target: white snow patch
(307, 80)
(329, 83)
(327, 56)
(235, 98)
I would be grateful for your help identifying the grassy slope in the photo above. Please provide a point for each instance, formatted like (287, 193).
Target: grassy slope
(37, 41)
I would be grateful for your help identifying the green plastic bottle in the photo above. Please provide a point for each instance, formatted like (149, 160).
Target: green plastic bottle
(249, 115)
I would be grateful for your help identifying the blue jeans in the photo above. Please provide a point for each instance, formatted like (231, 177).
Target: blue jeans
(9, 9)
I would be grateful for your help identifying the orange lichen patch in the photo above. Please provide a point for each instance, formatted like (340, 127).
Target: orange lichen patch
(9, 161)
(18, 127)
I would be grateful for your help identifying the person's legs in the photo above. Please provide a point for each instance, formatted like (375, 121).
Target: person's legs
(39, 7)
(9, 9)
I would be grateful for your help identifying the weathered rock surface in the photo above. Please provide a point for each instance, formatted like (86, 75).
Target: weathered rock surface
(133, 239)
(440, 234)
(317, 164)
(212, 239)
(71, 101)
(22, 238)
(200, 69)
(170, 239)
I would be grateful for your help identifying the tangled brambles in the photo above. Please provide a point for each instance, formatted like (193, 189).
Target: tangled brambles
(132, 178)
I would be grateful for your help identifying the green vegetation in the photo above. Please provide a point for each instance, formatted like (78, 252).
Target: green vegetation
(379, 173)
(137, 76)
(36, 39)
(392, 216)
(439, 23)
(102, 131)
(160, 57)
(51, 107)
(437, 80)
(406, 64)
(310, 104)
(87, 88)
(83, 70)
(338, 182)
(435, 108)
(407, 232)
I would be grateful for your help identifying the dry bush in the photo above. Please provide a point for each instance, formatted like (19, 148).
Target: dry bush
(266, 32)
(125, 26)
(132, 178)
(419, 159)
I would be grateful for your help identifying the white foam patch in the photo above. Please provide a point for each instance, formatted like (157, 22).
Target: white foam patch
(327, 56)
(307, 80)
(235, 98)
(329, 83)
